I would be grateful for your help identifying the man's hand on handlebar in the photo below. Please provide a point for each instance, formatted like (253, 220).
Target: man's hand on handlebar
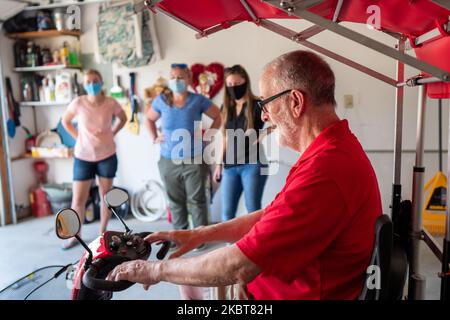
(185, 240)
(138, 271)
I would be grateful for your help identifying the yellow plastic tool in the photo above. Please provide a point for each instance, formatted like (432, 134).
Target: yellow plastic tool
(434, 211)
(132, 120)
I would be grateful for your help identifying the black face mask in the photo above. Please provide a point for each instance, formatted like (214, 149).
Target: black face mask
(237, 92)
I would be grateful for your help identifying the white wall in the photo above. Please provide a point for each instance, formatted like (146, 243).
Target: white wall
(372, 118)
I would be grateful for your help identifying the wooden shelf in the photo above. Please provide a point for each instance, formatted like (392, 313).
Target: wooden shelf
(53, 67)
(43, 103)
(28, 156)
(43, 34)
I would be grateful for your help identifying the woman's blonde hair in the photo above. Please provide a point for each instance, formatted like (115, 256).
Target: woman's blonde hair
(93, 72)
(229, 103)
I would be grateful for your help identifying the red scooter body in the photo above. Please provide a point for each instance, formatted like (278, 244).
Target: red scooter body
(104, 253)
(108, 251)
(99, 250)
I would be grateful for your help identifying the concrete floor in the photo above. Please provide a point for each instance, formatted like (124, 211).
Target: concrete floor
(33, 244)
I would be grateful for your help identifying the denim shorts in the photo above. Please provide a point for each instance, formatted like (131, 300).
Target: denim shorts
(87, 170)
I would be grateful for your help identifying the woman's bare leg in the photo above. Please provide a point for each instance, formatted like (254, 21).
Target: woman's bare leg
(80, 195)
(104, 185)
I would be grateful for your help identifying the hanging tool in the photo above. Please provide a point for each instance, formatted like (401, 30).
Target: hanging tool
(132, 107)
(14, 110)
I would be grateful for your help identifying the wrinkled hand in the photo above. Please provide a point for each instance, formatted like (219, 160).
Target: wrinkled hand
(138, 271)
(186, 240)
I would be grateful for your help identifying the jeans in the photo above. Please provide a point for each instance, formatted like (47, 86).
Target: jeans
(235, 179)
(185, 186)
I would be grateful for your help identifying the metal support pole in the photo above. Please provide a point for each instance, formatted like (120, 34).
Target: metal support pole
(416, 288)
(399, 94)
(445, 282)
(9, 209)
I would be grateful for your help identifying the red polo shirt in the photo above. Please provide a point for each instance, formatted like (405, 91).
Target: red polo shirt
(315, 239)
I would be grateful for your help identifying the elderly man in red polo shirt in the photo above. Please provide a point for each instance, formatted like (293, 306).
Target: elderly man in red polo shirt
(314, 240)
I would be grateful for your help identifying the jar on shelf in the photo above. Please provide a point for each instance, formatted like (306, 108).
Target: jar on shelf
(58, 18)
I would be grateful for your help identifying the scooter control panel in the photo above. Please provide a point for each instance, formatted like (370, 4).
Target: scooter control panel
(131, 246)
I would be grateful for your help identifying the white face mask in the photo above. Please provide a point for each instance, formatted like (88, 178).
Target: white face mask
(177, 85)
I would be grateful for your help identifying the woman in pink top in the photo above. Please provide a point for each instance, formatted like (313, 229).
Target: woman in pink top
(95, 150)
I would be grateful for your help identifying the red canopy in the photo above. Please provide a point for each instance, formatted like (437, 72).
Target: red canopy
(411, 18)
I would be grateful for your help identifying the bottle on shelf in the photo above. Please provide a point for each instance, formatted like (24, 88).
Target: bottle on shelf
(31, 58)
(51, 90)
(42, 91)
(51, 85)
(64, 53)
(27, 92)
(58, 18)
(63, 87)
(46, 89)
(73, 57)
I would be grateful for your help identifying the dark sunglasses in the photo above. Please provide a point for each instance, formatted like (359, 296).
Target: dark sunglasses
(262, 103)
(179, 65)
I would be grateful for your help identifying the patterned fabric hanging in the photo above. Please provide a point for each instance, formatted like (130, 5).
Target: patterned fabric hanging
(124, 37)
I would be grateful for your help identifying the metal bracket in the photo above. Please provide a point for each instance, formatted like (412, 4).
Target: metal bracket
(250, 11)
(301, 12)
(151, 5)
(293, 5)
(215, 29)
(428, 36)
(416, 235)
(292, 35)
(337, 10)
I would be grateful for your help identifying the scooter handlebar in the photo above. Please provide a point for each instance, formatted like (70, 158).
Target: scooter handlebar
(165, 247)
(163, 250)
(91, 281)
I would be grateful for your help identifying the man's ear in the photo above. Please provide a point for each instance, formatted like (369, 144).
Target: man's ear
(298, 106)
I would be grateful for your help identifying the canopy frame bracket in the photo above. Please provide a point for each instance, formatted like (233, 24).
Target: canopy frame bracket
(295, 10)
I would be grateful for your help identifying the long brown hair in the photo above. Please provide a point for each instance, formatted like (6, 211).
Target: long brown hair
(229, 103)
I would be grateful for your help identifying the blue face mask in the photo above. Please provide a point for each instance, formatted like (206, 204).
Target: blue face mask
(93, 88)
(177, 86)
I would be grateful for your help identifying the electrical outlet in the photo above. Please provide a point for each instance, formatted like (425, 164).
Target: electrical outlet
(348, 101)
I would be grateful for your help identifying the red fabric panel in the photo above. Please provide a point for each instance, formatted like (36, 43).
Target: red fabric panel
(204, 14)
(413, 17)
(437, 53)
(409, 17)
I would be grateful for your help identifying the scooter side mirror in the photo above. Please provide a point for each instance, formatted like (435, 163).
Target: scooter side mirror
(67, 224)
(116, 197)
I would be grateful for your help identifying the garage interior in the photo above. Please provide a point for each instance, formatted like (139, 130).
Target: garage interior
(387, 116)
